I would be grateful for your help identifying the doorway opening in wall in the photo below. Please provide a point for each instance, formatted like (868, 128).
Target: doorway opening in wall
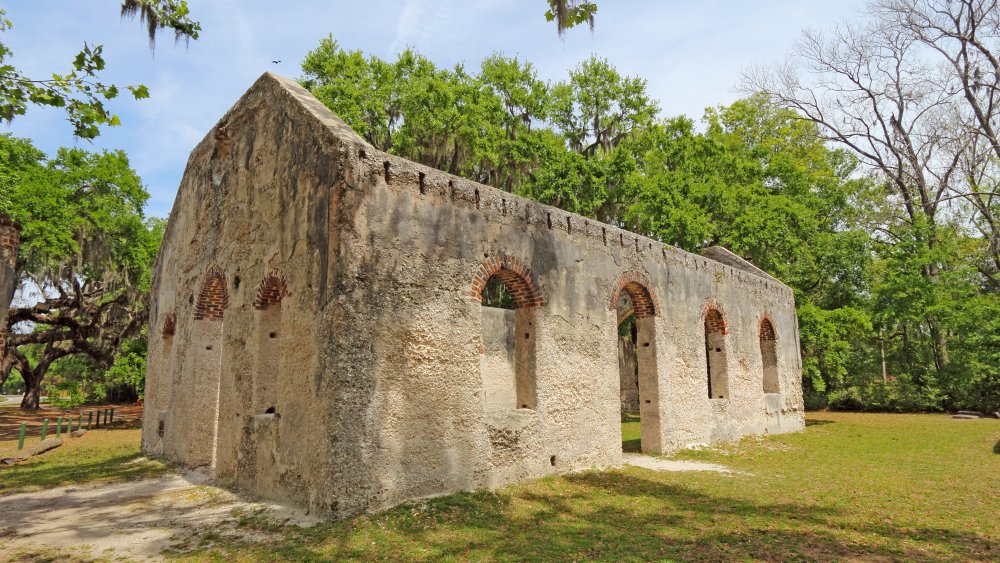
(628, 368)
(638, 373)
(769, 357)
(715, 355)
(507, 360)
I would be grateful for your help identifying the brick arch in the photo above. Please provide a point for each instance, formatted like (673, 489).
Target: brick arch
(766, 328)
(636, 285)
(271, 291)
(514, 274)
(715, 318)
(214, 297)
(169, 325)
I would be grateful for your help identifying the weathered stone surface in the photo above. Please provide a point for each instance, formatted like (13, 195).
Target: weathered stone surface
(307, 276)
(976, 414)
(78, 433)
(966, 417)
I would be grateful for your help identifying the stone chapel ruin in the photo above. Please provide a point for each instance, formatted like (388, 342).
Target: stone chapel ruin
(317, 333)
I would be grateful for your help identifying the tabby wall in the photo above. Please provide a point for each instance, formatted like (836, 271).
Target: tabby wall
(318, 335)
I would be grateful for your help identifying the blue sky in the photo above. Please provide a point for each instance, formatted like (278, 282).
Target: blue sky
(691, 53)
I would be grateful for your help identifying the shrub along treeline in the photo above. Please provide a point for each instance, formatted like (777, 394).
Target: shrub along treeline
(877, 331)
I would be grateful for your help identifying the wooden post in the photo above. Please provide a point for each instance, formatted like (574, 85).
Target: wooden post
(105, 417)
(45, 428)
(112, 415)
(59, 427)
(20, 436)
(79, 422)
(98, 417)
(90, 419)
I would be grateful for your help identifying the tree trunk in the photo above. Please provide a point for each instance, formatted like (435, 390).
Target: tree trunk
(32, 391)
(885, 371)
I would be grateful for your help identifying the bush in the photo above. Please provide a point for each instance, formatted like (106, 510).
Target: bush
(66, 396)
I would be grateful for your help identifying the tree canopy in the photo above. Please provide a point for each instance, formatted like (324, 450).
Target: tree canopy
(887, 292)
(85, 258)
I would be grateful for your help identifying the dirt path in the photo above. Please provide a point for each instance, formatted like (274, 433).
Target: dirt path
(132, 521)
(11, 417)
(659, 464)
(138, 520)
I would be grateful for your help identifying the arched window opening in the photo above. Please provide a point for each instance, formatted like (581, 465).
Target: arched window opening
(268, 303)
(496, 294)
(205, 369)
(628, 375)
(715, 355)
(636, 308)
(769, 356)
(213, 298)
(509, 303)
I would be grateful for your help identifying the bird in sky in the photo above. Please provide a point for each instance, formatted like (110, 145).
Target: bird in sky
(275, 62)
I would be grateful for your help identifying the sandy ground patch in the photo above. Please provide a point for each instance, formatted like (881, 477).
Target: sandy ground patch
(123, 521)
(126, 414)
(138, 520)
(659, 464)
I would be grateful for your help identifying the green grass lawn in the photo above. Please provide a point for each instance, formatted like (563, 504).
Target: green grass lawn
(853, 486)
(631, 438)
(99, 455)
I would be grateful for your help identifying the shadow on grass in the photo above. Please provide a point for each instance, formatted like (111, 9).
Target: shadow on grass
(817, 422)
(45, 473)
(996, 447)
(610, 516)
(632, 446)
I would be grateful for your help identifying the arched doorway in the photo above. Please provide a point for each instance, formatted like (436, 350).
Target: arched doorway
(207, 332)
(715, 354)
(636, 311)
(769, 356)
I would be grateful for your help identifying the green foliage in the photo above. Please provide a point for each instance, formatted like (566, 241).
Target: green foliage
(880, 294)
(161, 15)
(478, 126)
(67, 396)
(828, 339)
(76, 379)
(497, 294)
(128, 371)
(571, 13)
(14, 384)
(88, 250)
(80, 91)
(79, 208)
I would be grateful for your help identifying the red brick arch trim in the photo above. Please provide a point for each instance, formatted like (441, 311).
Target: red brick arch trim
(214, 297)
(715, 317)
(271, 291)
(636, 285)
(514, 274)
(766, 328)
(169, 325)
